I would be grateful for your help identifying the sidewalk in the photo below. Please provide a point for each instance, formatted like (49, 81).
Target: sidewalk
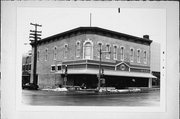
(102, 91)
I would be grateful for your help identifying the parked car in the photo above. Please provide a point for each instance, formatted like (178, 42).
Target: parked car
(30, 86)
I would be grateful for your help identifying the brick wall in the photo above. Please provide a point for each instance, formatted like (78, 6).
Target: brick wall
(49, 78)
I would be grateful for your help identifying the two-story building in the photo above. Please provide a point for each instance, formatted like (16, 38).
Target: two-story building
(127, 64)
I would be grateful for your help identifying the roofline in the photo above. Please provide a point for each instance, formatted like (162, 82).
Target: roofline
(63, 34)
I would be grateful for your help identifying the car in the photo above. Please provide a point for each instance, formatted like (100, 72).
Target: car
(30, 86)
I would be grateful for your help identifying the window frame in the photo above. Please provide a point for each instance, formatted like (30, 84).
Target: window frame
(58, 66)
(139, 58)
(55, 52)
(54, 68)
(46, 54)
(122, 54)
(91, 56)
(78, 47)
(115, 56)
(132, 55)
(65, 51)
(145, 58)
(108, 56)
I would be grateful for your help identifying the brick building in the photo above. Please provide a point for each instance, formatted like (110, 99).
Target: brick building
(128, 64)
(26, 67)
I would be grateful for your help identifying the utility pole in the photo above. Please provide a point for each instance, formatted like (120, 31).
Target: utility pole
(34, 34)
(100, 60)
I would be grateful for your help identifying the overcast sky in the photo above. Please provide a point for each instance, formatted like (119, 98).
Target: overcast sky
(132, 21)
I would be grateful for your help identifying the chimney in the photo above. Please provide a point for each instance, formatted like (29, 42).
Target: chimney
(146, 36)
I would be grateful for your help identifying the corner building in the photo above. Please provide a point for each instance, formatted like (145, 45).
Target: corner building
(127, 64)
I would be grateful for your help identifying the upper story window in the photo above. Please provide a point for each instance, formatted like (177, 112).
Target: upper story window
(138, 55)
(108, 50)
(131, 55)
(115, 53)
(145, 57)
(88, 49)
(98, 49)
(65, 50)
(122, 53)
(55, 53)
(78, 49)
(46, 54)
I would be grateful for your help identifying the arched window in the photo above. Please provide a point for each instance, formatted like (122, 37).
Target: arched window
(88, 50)
(55, 53)
(108, 50)
(131, 55)
(115, 53)
(145, 57)
(65, 51)
(138, 56)
(78, 49)
(46, 54)
(122, 53)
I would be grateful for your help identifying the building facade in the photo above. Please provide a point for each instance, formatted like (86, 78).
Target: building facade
(127, 64)
(26, 68)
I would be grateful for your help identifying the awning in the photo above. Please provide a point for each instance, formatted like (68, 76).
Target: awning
(109, 73)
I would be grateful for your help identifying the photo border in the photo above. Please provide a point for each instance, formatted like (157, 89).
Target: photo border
(164, 60)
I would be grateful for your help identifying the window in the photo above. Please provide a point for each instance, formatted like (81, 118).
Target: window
(23, 67)
(46, 54)
(122, 53)
(108, 50)
(29, 67)
(145, 57)
(138, 56)
(53, 68)
(65, 50)
(98, 49)
(59, 67)
(38, 55)
(78, 49)
(115, 53)
(55, 53)
(88, 50)
(131, 55)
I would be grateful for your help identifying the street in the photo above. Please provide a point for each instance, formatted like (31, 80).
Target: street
(45, 98)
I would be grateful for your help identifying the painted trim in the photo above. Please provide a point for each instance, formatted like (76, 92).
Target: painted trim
(122, 63)
(104, 64)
